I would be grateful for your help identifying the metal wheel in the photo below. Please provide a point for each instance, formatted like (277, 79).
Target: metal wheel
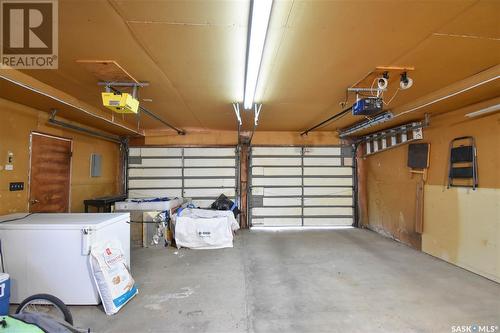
(47, 304)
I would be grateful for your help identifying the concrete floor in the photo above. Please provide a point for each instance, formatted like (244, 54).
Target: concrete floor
(309, 281)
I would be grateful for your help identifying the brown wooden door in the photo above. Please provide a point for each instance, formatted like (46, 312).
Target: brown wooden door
(50, 174)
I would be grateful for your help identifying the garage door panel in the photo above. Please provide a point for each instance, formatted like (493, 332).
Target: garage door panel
(155, 183)
(340, 171)
(310, 185)
(210, 162)
(330, 151)
(277, 222)
(276, 181)
(276, 151)
(209, 172)
(276, 191)
(201, 173)
(257, 191)
(279, 211)
(155, 193)
(209, 152)
(208, 192)
(276, 171)
(276, 161)
(329, 161)
(134, 152)
(327, 191)
(160, 162)
(282, 191)
(156, 173)
(328, 201)
(214, 183)
(161, 152)
(329, 221)
(282, 201)
(328, 181)
(326, 211)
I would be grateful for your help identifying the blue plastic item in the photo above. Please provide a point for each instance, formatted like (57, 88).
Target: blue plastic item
(179, 211)
(4, 294)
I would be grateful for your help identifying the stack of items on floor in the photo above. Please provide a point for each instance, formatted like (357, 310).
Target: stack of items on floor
(206, 228)
(149, 219)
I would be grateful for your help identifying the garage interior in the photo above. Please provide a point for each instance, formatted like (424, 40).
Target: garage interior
(357, 141)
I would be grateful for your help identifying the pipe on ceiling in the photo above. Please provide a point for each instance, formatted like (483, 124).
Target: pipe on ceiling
(52, 120)
(22, 85)
(332, 118)
(154, 116)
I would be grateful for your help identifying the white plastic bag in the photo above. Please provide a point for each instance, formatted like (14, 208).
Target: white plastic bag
(204, 229)
(112, 275)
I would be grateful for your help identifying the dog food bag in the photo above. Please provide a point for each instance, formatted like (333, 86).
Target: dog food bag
(112, 275)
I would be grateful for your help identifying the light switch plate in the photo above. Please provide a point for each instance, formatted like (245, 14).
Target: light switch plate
(9, 167)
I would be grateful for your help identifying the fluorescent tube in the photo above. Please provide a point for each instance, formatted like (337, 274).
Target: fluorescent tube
(259, 21)
(484, 111)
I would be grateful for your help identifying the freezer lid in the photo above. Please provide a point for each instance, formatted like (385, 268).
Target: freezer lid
(61, 221)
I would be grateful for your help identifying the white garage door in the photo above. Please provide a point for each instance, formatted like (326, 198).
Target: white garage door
(198, 173)
(301, 186)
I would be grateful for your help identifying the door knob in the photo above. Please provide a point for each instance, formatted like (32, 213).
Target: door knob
(34, 201)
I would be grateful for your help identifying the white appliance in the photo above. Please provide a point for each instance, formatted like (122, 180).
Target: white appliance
(49, 253)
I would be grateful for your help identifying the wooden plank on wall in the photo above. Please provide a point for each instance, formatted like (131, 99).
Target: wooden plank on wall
(419, 208)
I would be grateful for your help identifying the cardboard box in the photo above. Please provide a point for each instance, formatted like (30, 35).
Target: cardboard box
(136, 229)
(143, 228)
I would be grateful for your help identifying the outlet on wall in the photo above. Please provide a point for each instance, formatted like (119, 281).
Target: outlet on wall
(18, 186)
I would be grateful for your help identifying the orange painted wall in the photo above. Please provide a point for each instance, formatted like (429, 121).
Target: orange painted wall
(230, 138)
(392, 190)
(391, 196)
(17, 123)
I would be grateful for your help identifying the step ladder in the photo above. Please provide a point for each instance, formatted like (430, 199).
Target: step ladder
(463, 163)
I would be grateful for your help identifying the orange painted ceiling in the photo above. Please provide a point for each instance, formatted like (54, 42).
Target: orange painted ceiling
(193, 54)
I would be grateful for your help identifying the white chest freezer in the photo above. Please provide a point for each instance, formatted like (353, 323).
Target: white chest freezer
(49, 253)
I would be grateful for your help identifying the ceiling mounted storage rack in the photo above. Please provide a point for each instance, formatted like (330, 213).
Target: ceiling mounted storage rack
(393, 137)
(463, 163)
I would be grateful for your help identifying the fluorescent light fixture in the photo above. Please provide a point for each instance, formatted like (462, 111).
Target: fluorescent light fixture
(259, 21)
(484, 111)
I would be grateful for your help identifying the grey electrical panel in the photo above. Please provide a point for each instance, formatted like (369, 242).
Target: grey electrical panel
(95, 165)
